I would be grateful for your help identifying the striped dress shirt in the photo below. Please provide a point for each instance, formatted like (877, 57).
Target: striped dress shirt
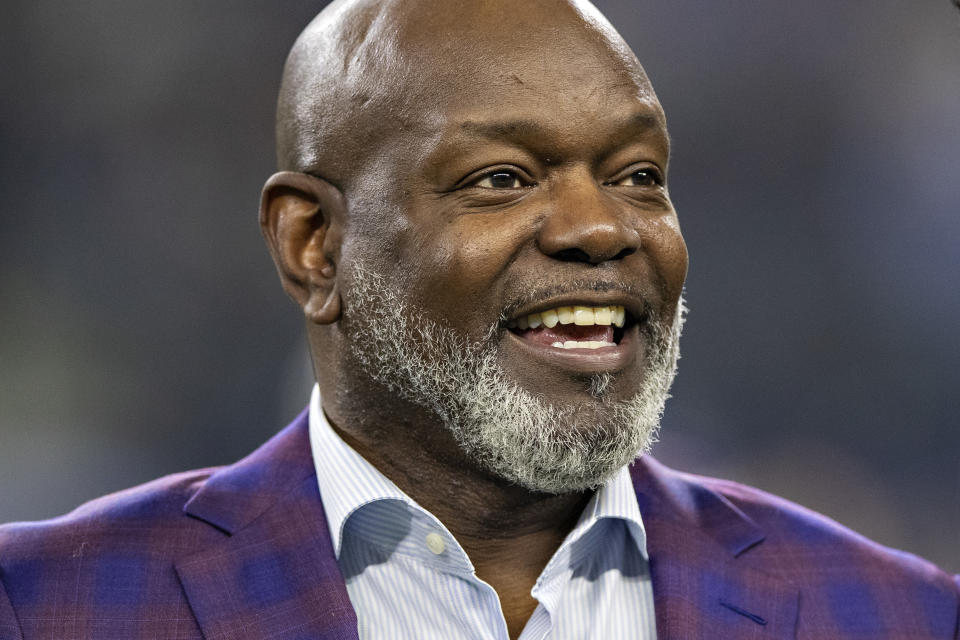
(408, 577)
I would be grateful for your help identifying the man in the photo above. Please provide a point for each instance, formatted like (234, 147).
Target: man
(473, 214)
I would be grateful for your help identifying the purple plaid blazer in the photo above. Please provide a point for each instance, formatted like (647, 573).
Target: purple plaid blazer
(243, 552)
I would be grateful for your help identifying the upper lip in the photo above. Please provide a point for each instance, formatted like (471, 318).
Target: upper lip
(636, 307)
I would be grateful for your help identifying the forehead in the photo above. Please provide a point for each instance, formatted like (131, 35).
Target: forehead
(521, 52)
(572, 85)
(419, 72)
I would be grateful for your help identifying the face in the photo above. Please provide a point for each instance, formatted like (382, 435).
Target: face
(527, 217)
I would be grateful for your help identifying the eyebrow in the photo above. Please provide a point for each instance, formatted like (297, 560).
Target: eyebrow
(521, 127)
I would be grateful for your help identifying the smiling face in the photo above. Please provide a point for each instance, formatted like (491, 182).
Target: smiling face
(515, 205)
(530, 185)
(552, 213)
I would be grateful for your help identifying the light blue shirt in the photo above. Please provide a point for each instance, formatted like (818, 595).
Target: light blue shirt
(408, 578)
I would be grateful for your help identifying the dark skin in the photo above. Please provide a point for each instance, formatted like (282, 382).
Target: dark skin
(522, 155)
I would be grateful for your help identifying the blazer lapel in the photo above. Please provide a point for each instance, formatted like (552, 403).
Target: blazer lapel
(705, 584)
(272, 573)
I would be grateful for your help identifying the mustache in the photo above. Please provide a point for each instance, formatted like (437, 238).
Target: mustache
(574, 287)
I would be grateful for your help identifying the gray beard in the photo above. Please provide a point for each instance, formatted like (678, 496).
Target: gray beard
(503, 428)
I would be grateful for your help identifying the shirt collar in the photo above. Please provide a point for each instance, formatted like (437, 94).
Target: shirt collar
(347, 482)
(615, 499)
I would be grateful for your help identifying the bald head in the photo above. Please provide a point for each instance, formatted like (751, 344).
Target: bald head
(366, 73)
(470, 162)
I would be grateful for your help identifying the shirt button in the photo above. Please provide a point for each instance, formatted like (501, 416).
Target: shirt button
(435, 543)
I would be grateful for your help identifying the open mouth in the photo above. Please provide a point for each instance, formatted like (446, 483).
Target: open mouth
(574, 327)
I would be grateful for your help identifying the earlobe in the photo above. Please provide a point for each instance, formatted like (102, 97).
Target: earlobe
(301, 217)
(323, 308)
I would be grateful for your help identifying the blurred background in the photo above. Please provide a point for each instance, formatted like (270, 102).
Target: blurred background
(817, 150)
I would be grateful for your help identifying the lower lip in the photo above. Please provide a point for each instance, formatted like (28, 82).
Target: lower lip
(602, 360)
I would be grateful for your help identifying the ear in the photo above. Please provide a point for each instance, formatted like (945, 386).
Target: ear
(301, 217)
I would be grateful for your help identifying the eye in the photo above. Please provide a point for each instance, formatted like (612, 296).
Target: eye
(500, 179)
(641, 178)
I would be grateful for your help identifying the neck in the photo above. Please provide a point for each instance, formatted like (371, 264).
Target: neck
(471, 502)
(508, 532)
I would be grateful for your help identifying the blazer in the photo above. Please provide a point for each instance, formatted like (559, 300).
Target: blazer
(243, 552)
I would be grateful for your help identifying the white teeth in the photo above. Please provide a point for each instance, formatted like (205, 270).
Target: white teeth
(619, 316)
(550, 318)
(579, 315)
(583, 316)
(584, 344)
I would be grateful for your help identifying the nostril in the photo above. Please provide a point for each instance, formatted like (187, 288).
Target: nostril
(579, 255)
(572, 255)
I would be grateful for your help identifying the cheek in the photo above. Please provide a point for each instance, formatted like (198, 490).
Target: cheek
(463, 264)
(670, 253)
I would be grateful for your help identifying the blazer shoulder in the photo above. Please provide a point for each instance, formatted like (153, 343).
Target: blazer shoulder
(813, 549)
(106, 569)
(134, 516)
(110, 567)
(848, 585)
(792, 523)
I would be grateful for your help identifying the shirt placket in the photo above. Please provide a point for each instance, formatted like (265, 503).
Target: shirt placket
(438, 549)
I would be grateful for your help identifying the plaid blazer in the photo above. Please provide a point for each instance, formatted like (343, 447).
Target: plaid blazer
(243, 552)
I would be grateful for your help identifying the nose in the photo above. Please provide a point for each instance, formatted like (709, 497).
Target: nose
(585, 225)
